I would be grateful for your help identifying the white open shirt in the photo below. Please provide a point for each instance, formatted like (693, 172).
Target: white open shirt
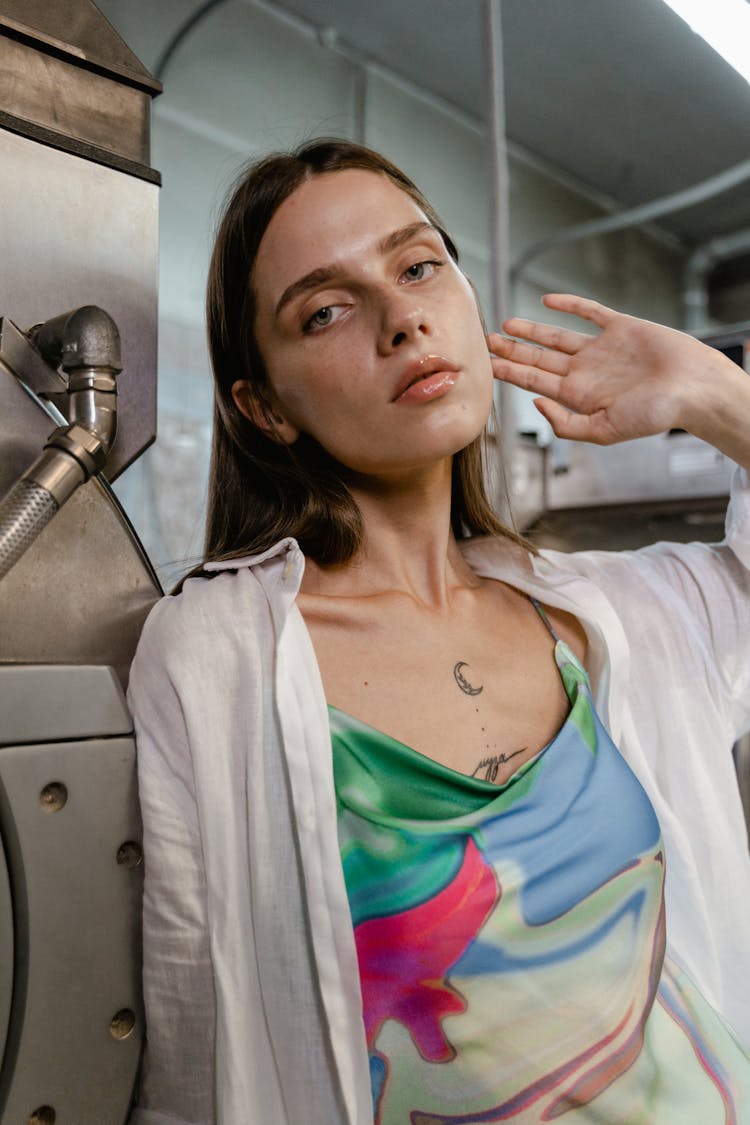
(250, 973)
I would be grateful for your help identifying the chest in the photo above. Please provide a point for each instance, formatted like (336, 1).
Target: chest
(478, 691)
(502, 901)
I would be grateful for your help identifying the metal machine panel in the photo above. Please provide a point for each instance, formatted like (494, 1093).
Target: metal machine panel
(87, 106)
(97, 235)
(74, 598)
(81, 592)
(71, 834)
(77, 29)
(41, 703)
(7, 951)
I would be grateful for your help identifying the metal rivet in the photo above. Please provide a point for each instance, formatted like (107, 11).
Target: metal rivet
(129, 854)
(122, 1023)
(45, 1115)
(53, 798)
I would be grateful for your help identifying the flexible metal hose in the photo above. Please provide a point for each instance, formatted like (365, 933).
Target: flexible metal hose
(25, 510)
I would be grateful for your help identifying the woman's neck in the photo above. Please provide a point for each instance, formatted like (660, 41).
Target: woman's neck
(408, 546)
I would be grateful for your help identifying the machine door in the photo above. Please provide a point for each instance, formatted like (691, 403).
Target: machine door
(71, 1020)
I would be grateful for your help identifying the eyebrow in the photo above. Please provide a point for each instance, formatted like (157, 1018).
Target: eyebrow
(323, 274)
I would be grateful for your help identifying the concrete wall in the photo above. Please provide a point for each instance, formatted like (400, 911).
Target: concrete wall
(248, 80)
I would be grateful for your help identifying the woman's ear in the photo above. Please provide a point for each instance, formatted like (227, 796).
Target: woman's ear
(271, 422)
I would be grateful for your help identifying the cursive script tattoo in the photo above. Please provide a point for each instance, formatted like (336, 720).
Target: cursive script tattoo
(490, 766)
(462, 682)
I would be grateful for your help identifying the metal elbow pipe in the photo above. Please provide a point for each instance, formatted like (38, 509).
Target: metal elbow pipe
(698, 266)
(83, 337)
(695, 288)
(86, 344)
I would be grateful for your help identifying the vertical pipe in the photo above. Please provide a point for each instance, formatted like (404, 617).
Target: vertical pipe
(498, 192)
(497, 159)
(360, 101)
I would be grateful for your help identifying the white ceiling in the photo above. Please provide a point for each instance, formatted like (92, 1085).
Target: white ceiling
(624, 96)
(620, 95)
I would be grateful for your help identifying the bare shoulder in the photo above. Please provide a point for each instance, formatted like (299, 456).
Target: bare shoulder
(515, 606)
(569, 629)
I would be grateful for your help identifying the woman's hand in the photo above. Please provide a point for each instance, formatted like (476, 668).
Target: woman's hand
(632, 379)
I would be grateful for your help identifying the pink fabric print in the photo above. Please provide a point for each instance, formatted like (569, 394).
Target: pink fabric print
(405, 958)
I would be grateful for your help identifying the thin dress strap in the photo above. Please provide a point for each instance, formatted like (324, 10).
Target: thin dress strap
(544, 617)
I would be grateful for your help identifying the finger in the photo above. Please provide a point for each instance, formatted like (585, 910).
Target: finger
(593, 428)
(548, 335)
(580, 306)
(528, 378)
(530, 354)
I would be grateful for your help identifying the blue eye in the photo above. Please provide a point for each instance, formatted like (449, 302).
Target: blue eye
(321, 318)
(420, 270)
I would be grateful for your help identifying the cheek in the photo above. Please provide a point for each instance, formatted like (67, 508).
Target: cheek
(467, 317)
(309, 396)
(288, 398)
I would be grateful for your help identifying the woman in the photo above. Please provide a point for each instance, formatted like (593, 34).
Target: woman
(397, 867)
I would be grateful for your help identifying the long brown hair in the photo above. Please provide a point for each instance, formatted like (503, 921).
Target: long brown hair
(261, 490)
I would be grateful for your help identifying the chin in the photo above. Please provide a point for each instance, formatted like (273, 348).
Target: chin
(468, 427)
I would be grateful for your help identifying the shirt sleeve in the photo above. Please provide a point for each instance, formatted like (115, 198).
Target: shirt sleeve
(686, 608)
(738, 541)
(177, 1086)
(714, 583)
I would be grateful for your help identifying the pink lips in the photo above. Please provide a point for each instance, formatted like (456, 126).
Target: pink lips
(425, 379)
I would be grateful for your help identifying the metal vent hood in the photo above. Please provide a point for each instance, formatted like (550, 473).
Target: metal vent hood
(67, 79)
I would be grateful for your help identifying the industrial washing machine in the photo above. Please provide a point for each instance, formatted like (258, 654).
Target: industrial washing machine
(78, 286)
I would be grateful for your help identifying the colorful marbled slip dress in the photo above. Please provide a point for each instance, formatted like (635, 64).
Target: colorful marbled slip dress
(511, 939)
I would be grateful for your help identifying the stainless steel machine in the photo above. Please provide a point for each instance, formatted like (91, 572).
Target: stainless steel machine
(78, 283)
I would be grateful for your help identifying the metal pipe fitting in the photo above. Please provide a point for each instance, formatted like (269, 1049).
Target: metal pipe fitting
(86, 344)
(83, 337)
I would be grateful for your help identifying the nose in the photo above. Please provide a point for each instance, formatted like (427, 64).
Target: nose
(404, 320)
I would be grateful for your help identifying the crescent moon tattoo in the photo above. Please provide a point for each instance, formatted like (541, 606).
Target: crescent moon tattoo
(462, 682)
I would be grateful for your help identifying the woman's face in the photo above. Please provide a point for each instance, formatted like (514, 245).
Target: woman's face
(370, 333)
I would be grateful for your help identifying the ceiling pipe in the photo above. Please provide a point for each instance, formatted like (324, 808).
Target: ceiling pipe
(182, 31)
(636, 216)
(700, 263)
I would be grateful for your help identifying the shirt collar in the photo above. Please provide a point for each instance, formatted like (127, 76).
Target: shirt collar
(281, 566)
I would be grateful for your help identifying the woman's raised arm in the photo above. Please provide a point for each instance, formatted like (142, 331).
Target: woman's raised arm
(632, 379)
